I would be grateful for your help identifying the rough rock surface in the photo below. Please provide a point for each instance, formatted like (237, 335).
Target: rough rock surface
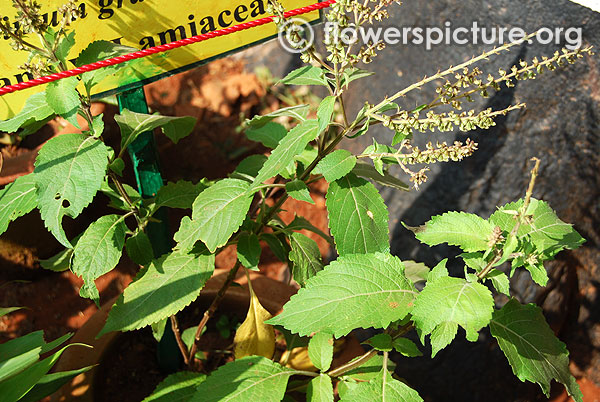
(560, 126)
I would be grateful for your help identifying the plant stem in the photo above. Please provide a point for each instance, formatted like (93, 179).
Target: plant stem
(180, 344)
(343, 369)
(211, 310)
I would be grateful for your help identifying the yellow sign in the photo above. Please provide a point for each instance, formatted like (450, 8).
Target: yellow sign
(142, 24)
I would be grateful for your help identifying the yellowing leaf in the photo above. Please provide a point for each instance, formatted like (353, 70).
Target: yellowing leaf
(254, 337)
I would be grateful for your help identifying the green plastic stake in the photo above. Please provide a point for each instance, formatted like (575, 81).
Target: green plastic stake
(146, 167)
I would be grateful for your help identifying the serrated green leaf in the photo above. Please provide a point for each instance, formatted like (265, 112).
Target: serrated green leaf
(298, 190)
(368, 290)
(36, 109)
(358, 217)
(369, 172)
(179, 195)
(178, 387)
(278, 248)
(17, 199)
(416, 271)
(468, 231)
(216, 214)
(250, 166)
(306, 256)
(439, 271)
(298, 112)
(353, 73)
(320, 389)
(101, 50)
(336, 165)
(139, 249)
(249, 250)
(169, 284)
(531, 347)
(253, 378)
(117, 166)
(269, 135)
(453, 300)
(369, 370)
(442, 336)
(325, 112)
(382, 342)
(62, 97)
(69, 170)
(320, 350)
(500, 281)
(300, 223)
(382, 388)
(65, 46)
(98, 251)
(133, 124)
(406, 347)
(291, 145)
(307, 75)
(547, 232)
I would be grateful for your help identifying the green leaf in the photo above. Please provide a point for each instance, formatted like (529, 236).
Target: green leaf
(133, 124)
(300, 223)
(306, 256)
(382, 342)
(325, 112)
(8, 310)
(101, 50)
(98, 251)
(298, 190)
(177, 387)
(179, 195)
(369, 172)
(307, 75)
(416, 271)
(117, 166)
(320, 350)
(139, 249)
(63, 98)
(69, 170)
(249, 250)
(353, 73)
(15, 387)
(278, 248)
(17, 199)
(216, 214)
(453, 300)
(291, 145)
(116, 199)
(439, 271)
(369, 370)
(298, 112)
(406, 347)
(468, 231)
(442, 336)
(547, 232)
(36, 109)
(250, 166)
(320, 389)
(368, 290)
(50, 383)
(382, 388)
(65, 46)
(500, 281)
(358, 217)
(269, 135)
(169, 284)
(336, 165)
(253, 378)
(19, 353)
(531, 347)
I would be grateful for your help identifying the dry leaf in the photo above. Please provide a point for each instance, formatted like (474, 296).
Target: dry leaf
(254, 337)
